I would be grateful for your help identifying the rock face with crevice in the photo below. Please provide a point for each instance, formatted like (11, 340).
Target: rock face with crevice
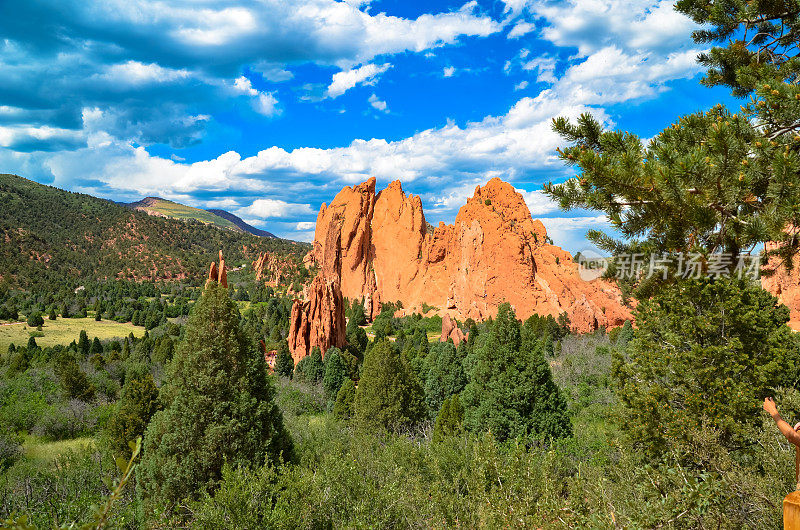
(320, 321)
(493, 252)
(451, 331)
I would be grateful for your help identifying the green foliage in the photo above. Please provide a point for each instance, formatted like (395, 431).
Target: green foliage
(389, 395)
(310, 368)
(35, 320)
(444, 374)
(284, 363)
(73, 380)
(137, 405)
(97, 346)
(703, 357)
(218, 405)
(511, 392)
(83, 343)
(345, 400)
(760, 38)
(79, 234)
(449, 421)
(336, 372)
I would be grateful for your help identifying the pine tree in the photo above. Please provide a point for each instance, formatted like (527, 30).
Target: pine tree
(704, 355)
(444, 374)
(389, 395)
(335, 373)
(218, 406)
(716, 180)
(97, 346)
(345, 400)
(284, 364)
(52, 315)
(74, 382)
(310, 369)
(83, 343)
(449, 421)
(511, 391)
(136, 406)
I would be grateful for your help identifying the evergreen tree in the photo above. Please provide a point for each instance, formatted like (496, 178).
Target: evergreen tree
(35, 320)
(52, 315)
(310, 369)
(97, 346)
(284, 363)
(83, 343)
(73, 380)
(218, 406)
(444, 374)
(389, 395)
(335, 373)
(713, 181)
(511, 391)
(345, 400)
(98, 316)
(449, 421)
(704, 356)
(32, 344)
(136, 406)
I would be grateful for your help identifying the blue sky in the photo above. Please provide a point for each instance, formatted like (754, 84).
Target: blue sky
(268, 108)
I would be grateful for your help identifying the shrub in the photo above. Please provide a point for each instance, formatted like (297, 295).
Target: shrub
(345, 400)
(35, 320)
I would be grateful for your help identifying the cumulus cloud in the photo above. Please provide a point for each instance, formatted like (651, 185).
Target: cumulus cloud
(181, 55)
(377, 104)
(449, 71)
(266, 208)
(520, 29)
(363, 75)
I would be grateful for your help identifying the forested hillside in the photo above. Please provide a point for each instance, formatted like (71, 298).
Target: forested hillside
(51, 234)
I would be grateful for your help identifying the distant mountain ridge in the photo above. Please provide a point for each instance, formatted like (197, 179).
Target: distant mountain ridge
(166, 208)
(240, 223)
(51, 236)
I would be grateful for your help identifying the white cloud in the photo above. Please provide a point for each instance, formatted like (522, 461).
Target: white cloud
(264, 103)
(366, 75)
(243, 85)
(545, 66)
(538, 203)
(267, 104)
(377, 103)
(522, 85)
(266, 208)
(449, 71)
(520, 29)
(136, 73)
(306, 225)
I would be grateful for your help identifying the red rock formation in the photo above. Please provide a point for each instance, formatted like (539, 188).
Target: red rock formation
(218, 274)
(272, 267)
(320, 320)
(494, 252)
(785, 285)
(451, 331)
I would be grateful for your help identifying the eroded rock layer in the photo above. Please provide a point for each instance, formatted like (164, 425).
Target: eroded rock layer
(493, 252)
(319, 321)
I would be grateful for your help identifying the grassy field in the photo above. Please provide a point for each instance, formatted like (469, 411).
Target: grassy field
(64, 331)
(35, 449)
